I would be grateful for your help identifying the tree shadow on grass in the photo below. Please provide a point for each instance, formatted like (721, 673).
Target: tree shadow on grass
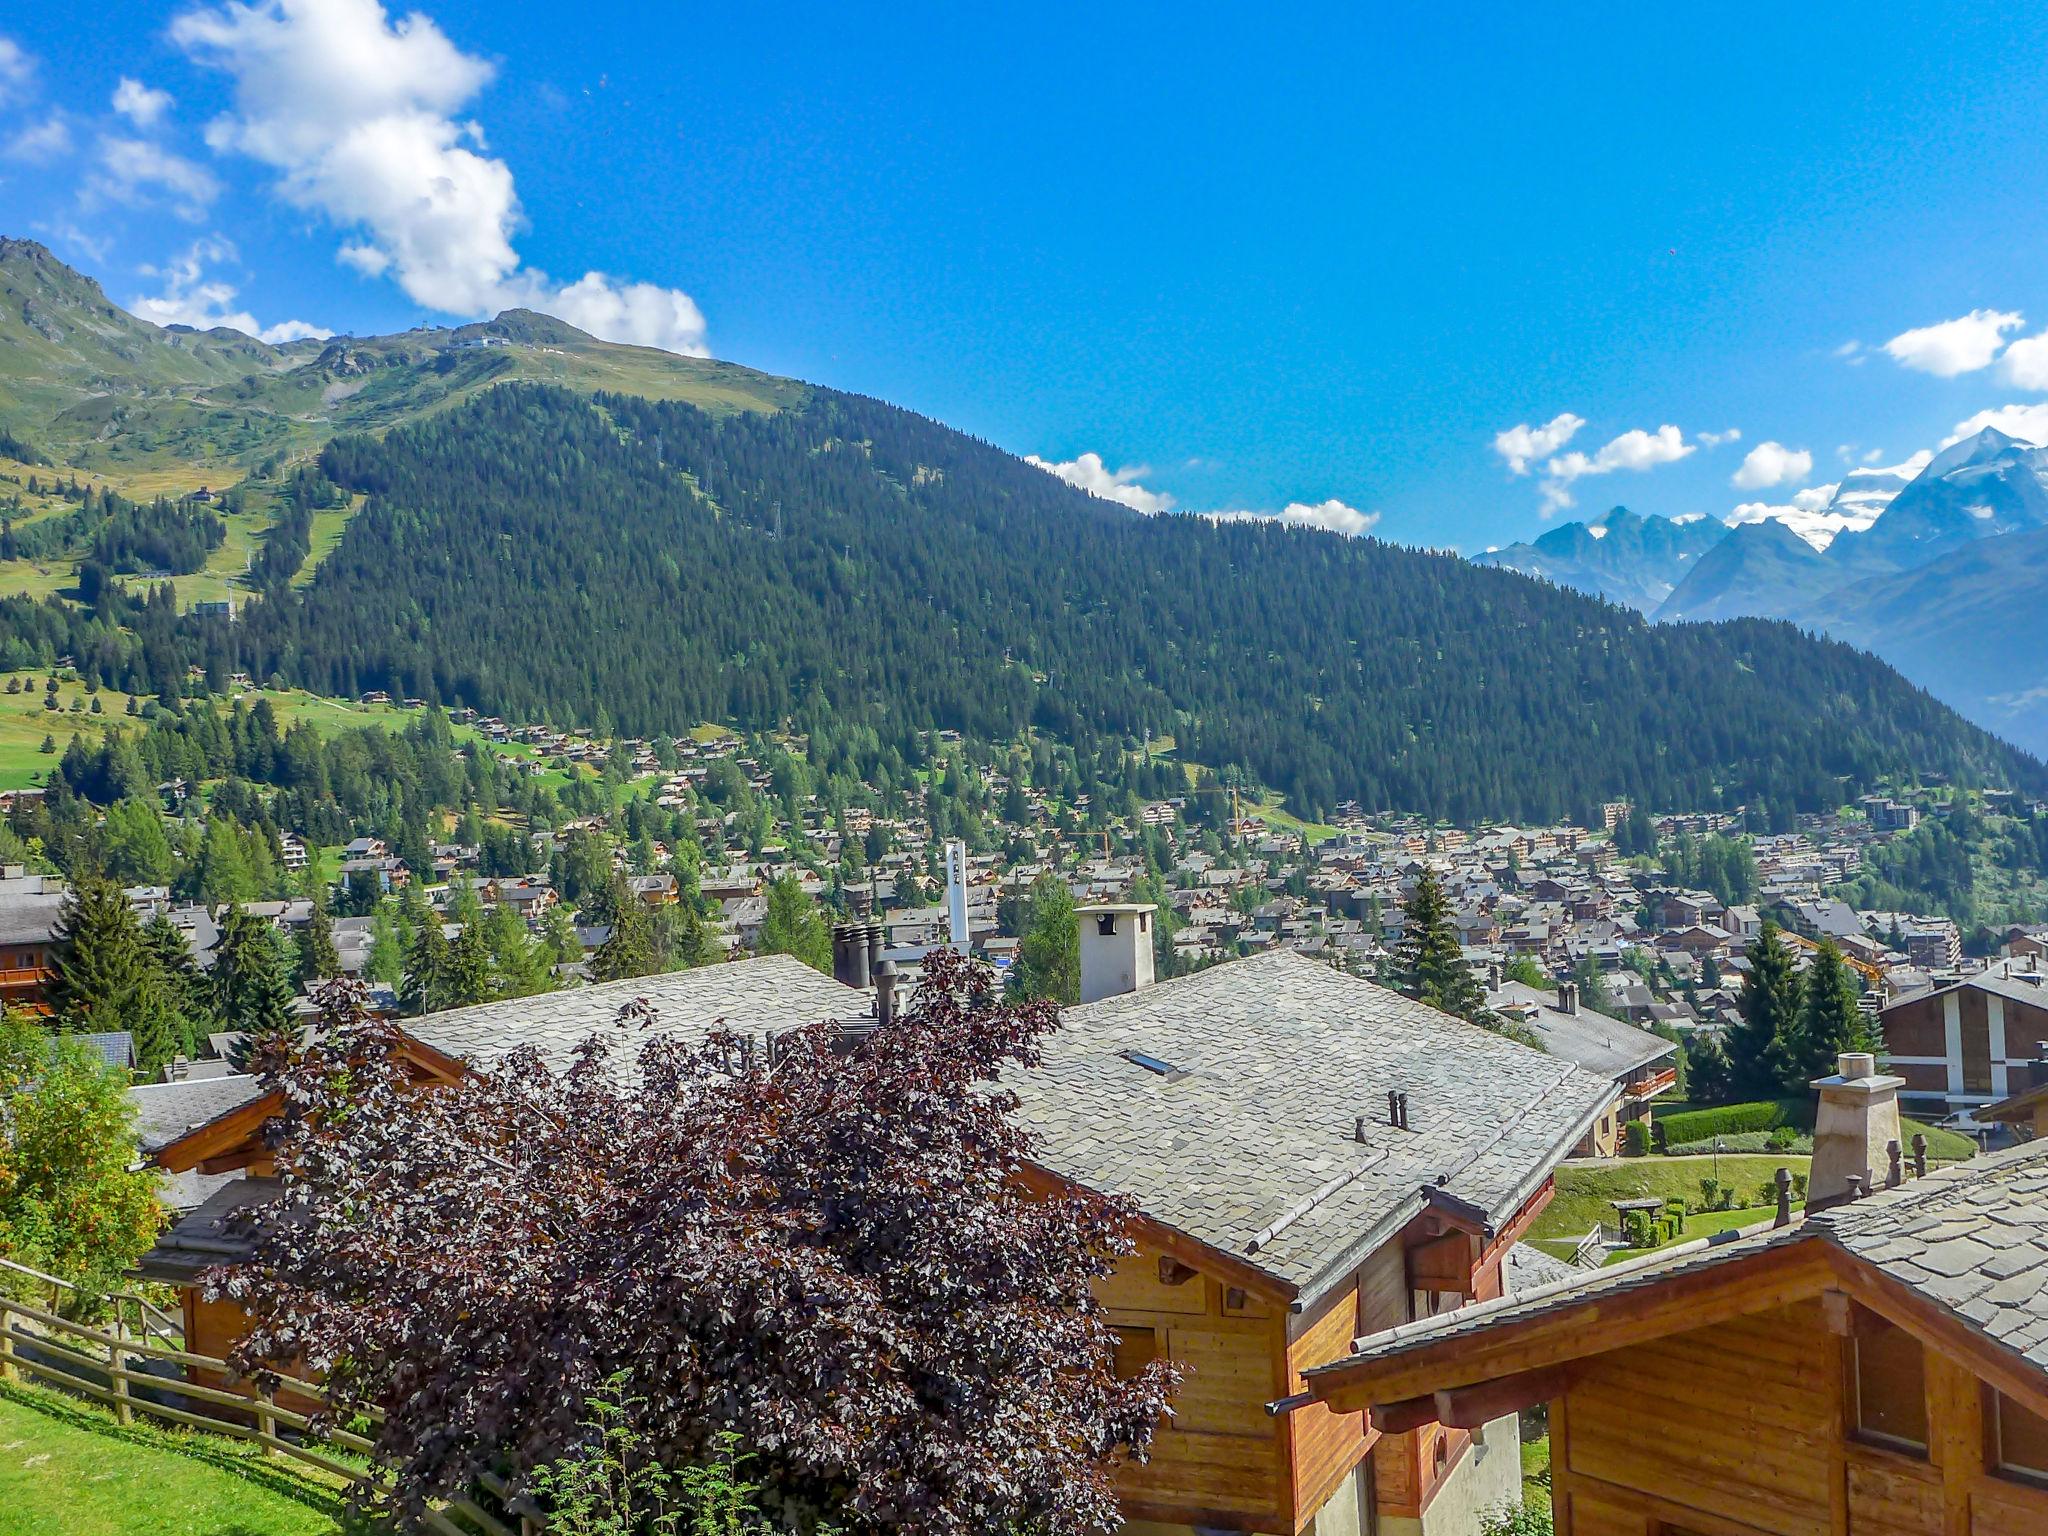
(215, 1451)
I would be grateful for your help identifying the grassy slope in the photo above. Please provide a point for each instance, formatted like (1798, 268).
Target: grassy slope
(67, 1467)
(24, 722)
(1583, 1192)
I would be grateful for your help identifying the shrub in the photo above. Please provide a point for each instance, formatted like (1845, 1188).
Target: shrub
(1635, 1139)
(1517, 1520)
(1782, 1139)
(1734, 1119)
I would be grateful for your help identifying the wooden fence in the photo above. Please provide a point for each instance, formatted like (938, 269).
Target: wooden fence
(101, 1363)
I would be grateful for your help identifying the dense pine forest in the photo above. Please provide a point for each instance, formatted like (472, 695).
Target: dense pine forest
(645, 566)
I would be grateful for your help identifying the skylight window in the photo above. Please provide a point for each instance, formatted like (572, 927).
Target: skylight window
(1152, 1063)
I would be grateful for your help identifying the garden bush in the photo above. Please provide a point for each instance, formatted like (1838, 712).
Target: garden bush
(1635, 1139)
(1696, 1125)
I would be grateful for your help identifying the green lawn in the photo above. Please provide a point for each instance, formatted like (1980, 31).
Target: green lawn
(1705, 1224)
(1583, 1193)
(67, 1467)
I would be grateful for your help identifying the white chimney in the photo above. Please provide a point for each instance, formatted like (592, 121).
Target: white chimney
(1116, 948)
(1854, 1132)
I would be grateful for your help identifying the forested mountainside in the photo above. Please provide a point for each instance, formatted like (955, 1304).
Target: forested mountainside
(554, 528)
(540, 555)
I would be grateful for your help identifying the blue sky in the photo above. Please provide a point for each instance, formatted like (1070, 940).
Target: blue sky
(1310, 257)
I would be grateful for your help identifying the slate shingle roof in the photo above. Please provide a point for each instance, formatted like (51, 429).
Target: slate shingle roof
(1972, 1237)
(1613, 1047)
(1248, 1144)
(755, 996)
(166, 1111)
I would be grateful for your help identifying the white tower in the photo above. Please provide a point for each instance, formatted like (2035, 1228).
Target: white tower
(1116, 948)
(956, 894)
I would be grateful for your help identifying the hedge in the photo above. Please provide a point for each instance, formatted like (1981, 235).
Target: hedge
(1735, 1120)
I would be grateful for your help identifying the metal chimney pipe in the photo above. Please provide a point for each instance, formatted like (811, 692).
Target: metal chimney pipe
(1394, 1109)
(885, 992)
(1404, 1110)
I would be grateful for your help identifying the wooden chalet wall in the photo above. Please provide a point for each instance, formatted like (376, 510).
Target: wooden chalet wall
(1742, 1429)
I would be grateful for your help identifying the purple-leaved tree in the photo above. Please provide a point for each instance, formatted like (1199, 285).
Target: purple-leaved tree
(833, 1255)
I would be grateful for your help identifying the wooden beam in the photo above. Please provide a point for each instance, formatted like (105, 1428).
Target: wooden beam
(1612, 1319)
(1470, 1407)
(1175, 1243)
(1408, 1414)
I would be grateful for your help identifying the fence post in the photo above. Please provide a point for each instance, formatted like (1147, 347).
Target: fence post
(9, 1371)
(266, 1421)
(117, 1371)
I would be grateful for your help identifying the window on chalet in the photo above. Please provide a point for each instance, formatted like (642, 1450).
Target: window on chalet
(1136, 1348)
(1889, 1377)
(2019, 1440)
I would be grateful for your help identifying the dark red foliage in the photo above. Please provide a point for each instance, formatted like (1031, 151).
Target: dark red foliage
(830, 1254)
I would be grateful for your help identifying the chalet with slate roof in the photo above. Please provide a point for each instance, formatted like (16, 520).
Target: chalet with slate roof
(1312, 1156)
(1877, 1368)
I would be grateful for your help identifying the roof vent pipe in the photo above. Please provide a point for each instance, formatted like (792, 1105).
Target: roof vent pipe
(885, 992)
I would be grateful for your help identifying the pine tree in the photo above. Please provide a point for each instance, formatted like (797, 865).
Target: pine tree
(425, 987)
(317, 959)
(185, 988)
(1829, 1021)
(158, 1030)
(1429, 964)
(468, 979)
(683, 940)
(1760, 1042)
(252, 984)
(793, 926)
(100, 958)
(629, 949)
(1048, 964)
(520, 964)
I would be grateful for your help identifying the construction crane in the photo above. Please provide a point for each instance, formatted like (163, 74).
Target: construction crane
(1871, 973)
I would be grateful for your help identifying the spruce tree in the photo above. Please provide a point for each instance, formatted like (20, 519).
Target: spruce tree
(252, 984)
(468, 978)
(1760, 1043)
(317, 959)
(1429, 964)
(425, 987)
(158, 1029)
(629, 949)
(100, 958)
(1829, 1021)
(1048, 964)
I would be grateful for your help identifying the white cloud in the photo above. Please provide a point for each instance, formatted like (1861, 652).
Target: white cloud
(1772, 463)
(16, 70)
(1332, 516)
(137, 171)
(40, 141)
(1522, 444)
(2028, 423)
(2025, 362)
(1716, 439)
(1853, 353)
(357, 114)
(1634, 449)
(142, 105)
(1090, 474)
(189, 297)
(1955, 346)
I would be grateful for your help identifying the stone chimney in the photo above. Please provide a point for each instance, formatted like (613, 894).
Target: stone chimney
(1567, 997)
(1116, 948)
(1854, 1132)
